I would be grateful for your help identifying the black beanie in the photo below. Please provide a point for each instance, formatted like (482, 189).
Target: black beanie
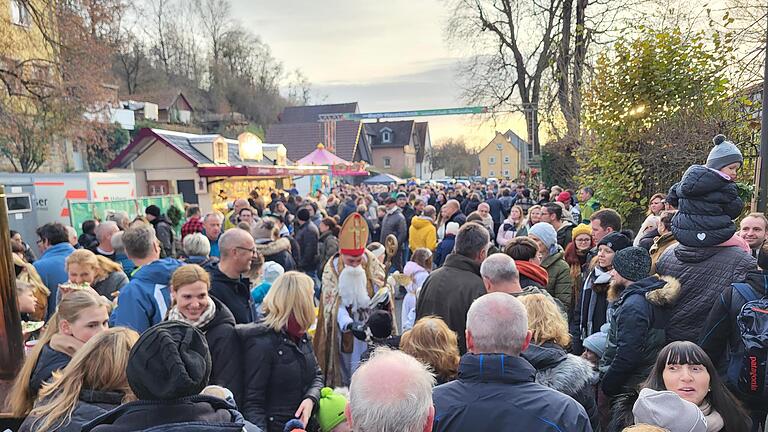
(616, 241)
(153, 210)
(169, 361)
(632, 263)
(303, 215)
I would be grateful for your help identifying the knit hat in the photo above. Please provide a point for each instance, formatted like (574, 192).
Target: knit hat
(262, 231)
(401, 195)
(330, 409)
(596, 342)
(724, 153)
(169, 361)
(632, 263)
(546, 233)
(272, 271)
(302, 215)
(451, 228)
(667, 410)
(615, 240)
(380, 323)
(564, 197)
(581, 229)
(377, 249)
(153, 210)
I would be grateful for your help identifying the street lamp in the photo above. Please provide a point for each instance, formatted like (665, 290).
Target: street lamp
(250, 146)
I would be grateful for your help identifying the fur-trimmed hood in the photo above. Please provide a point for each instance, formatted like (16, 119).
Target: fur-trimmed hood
(662, 291)
(274, 247)
(559, 370)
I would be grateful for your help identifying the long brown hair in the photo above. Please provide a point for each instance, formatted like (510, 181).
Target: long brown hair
(101, 265)
(99, 365)
(433, 343)
(69, 309)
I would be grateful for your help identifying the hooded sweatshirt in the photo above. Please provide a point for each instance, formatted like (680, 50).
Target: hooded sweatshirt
(144, 301)
(422, 234)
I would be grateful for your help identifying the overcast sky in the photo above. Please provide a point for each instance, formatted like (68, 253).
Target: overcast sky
(388, 56)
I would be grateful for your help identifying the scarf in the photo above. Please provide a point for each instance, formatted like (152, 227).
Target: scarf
(715, 421)
(294, 330)
(201, 321)
(533, 272)
(65, 344)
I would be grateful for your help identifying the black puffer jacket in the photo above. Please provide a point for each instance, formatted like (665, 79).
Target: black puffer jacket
(307, 236)
(226, 358)
(703, 274)
(90, 405)
(278, 251)
(278, 375)
(637, 333)
(235, 294)
(707, 203)
(566, 373)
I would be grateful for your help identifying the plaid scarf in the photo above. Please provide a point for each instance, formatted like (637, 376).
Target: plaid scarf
(205, 318)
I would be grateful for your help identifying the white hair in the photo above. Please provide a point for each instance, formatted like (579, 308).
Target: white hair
(391, 392)
(499, 268)
(498, 323)
(105, 228)
(196, 244)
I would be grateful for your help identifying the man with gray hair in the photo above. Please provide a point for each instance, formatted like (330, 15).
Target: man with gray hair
(500, 274)
(145, 300)
(392, 391)
(228, 285)
(450, 290)
(496, 388)
(212, 229)
(104, 232)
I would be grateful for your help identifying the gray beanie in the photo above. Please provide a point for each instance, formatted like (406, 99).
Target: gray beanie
(667, 410)
(632, 263)
(723, 154)
(597, 342)
(546, 233)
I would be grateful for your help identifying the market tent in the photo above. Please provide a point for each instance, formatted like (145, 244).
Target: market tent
(321, 156)
(384, 179)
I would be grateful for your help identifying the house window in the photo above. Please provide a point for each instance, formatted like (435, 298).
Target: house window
(387, 162)
(386, 137)
(506, 159)
(20, 14)
(506, 173)
(492, 160)
(491, 173)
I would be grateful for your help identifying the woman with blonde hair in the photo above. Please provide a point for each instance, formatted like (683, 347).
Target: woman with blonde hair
(105, 276)
(534, 217)
(282, 378)
(513, 226)
(192, 304)
(93, 383)
(556, 369)
(434, 344)
(79, 316)
(27, 274)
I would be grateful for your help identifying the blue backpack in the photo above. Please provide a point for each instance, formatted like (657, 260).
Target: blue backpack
(748, 371)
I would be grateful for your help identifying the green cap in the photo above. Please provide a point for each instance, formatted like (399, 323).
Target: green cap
(330, 412)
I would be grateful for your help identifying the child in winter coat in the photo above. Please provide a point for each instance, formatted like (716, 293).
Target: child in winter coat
(270, 272)
(417, 270)
(446, 245)
(707, 200)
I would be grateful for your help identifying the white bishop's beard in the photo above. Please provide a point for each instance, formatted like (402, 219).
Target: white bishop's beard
(353, 288)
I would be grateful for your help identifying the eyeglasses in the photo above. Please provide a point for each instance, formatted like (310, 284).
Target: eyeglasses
(251, 250)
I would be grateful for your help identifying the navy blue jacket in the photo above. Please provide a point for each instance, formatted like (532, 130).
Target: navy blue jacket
(497, 210)
(498, 392)
(444, 248)
(707, 203)
(48, 362)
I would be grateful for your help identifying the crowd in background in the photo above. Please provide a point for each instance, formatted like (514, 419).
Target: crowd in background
(504, 308)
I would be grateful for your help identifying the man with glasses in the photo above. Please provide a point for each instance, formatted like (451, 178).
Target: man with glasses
(227, 282)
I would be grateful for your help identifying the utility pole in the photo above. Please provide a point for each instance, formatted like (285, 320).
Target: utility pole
(762, 190)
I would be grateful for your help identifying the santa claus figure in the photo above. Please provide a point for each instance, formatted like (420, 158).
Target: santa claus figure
(350, 281)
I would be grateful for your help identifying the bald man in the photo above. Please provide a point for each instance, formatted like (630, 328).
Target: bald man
(238, 250)
(231, 220)
(450, 212)
(391, 391)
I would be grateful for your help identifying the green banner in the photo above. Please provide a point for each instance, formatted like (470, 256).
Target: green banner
(81, 211)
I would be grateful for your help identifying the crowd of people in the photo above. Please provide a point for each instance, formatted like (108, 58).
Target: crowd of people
(404, 308)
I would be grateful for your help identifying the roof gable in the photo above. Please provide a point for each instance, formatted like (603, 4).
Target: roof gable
(164, 99)
(300, 139)
(401, 133)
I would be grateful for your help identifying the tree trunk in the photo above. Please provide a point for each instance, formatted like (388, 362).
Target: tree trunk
(12, 356)
(563, 74)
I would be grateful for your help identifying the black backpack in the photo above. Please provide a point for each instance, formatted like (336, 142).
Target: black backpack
(748, 372)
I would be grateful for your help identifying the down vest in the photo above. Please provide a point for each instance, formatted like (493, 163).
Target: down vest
(703, 274)
(566, 373)
(707, 203)
(637, 333)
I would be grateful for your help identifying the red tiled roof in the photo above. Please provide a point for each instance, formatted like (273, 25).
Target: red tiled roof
(300, 139)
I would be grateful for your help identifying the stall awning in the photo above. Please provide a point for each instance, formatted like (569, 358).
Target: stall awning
(259, 171)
